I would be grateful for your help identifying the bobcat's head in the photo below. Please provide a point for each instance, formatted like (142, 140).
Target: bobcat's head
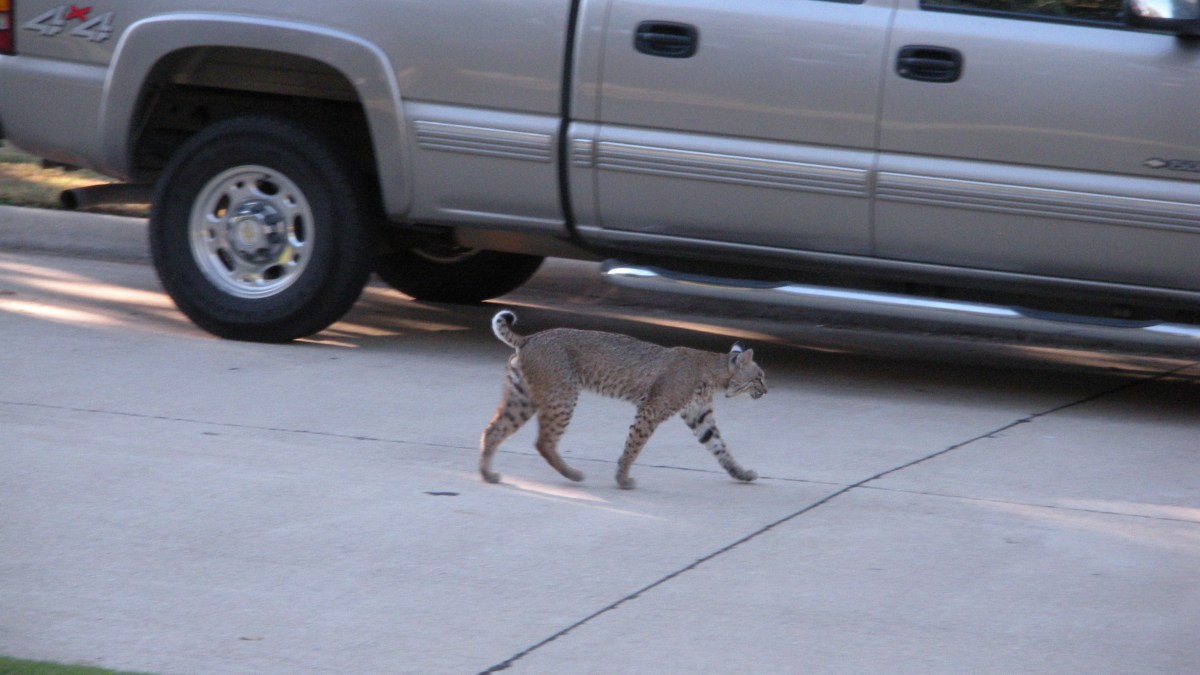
(744, 374)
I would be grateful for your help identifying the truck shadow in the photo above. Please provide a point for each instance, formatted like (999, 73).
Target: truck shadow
(799, 350)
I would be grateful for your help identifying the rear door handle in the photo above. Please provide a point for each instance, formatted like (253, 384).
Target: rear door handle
(666, 38)
(929, 64)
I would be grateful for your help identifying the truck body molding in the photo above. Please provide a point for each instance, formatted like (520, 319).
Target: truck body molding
(473, 140)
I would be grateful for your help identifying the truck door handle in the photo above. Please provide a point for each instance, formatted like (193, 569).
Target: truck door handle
(929, 64)
(666, 38)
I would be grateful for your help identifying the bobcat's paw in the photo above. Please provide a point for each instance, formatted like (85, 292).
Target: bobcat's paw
(489, 476)
(574, 474)
(626, 483)
(746, 475)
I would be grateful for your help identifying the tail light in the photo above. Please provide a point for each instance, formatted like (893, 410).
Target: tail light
(6, 27)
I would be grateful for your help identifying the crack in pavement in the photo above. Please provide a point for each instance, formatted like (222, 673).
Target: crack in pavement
(229, 425)
(507, 663)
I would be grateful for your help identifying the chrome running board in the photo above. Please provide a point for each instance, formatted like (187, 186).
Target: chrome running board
(865, 302)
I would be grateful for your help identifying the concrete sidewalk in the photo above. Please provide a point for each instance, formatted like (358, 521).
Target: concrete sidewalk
(174, 503)
(73, 233)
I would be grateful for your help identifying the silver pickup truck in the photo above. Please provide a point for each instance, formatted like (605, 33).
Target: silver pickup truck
(1040, 153)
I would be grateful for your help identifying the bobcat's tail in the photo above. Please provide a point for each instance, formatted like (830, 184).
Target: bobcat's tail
(502, 326)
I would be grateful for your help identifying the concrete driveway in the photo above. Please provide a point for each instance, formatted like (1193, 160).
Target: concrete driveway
(174, 503)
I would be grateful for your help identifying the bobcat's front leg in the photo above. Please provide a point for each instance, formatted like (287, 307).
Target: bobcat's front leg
(700, 419)
(644, 424)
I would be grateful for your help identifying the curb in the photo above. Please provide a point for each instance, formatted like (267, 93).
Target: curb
(73, 233)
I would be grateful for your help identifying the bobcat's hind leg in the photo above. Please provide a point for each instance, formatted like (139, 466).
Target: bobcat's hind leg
(699, 419)
(553, 419)
(515, 409)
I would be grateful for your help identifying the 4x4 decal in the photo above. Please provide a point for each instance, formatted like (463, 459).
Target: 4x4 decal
(96, 28)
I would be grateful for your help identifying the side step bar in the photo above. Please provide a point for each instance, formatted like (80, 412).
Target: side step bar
(868, 302)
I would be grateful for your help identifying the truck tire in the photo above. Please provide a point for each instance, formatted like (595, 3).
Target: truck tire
(442, 272)
(260, 230)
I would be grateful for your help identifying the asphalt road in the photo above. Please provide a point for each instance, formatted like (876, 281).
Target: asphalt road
(932, 500)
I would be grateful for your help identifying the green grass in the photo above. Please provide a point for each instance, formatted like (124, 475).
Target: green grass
(10, 666)
(25, 182)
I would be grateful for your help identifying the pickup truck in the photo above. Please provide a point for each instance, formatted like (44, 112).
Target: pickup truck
(1040, 154)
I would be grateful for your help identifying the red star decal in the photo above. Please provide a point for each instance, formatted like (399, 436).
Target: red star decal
(80, 13)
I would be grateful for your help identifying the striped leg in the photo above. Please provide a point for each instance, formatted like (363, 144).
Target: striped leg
(699, 419)
(515, 409)
(644, 424)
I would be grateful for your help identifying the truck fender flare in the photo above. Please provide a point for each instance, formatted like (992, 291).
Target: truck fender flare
(145, 43)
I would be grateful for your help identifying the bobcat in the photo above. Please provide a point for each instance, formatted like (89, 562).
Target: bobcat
(549, 368)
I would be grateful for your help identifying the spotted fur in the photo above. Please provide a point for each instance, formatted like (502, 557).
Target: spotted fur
(550, 368)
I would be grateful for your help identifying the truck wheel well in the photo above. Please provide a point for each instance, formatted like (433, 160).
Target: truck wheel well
(192, 88)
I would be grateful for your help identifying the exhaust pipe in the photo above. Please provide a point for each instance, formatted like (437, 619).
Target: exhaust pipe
(84, 198)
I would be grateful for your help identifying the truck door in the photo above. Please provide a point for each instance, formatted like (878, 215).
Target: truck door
(749, 122)
(1046, 139)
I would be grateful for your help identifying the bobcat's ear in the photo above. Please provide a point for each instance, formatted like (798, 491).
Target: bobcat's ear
(739, 355)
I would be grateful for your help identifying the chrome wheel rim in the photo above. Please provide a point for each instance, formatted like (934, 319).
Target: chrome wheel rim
(251, 232)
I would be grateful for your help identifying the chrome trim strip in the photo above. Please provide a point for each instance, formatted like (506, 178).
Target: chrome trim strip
(1023, 200)
(583, 152)
(731, 169)
(473, 140)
